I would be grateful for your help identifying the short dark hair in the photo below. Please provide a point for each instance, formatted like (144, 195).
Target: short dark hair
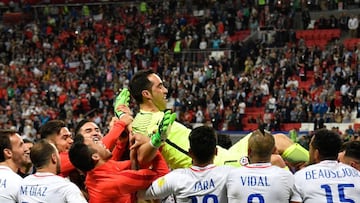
(5, 142)
(352, 150)
(41, 152)
(327, 142)
(80, 124)
(203, 142)
(140, 82)
(51, 128)
(81, 155)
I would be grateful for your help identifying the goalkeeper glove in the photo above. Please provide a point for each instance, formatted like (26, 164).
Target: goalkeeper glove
(164, 127)
(122, 98)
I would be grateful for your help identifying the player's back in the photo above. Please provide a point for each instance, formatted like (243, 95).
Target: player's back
(259, 183)
(198, 184)
(327, 181)
(9, 185)
(47, 187)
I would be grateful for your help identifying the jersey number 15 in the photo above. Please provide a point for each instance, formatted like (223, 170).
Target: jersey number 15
(341, 188)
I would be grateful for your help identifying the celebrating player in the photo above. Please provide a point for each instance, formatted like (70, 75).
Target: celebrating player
(45, 185)
(56, 132)
(260, 181)
(203, 182)
(12, 157)
(148, 90)
(326, 180)
(109, 180)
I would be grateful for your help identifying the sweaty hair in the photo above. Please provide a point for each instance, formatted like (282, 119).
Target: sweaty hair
(140, 82)
(51, 128)
(5, 141)
(328, 143)
(352, 150)
(41, 153)
(203, 142)
(261, 144)
(81, 155)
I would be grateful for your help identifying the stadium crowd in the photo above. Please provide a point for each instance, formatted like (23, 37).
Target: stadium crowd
(69, 63)
(66, 80)
(99, 172)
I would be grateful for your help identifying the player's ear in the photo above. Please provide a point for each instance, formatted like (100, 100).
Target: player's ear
(146, 93)
(95, 156)
(54, 158)
(7, 153)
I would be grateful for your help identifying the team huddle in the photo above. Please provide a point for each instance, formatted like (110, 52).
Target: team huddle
(153, 157)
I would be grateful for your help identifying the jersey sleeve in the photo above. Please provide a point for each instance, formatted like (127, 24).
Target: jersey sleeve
(112, 142)
(66, 165)
(110, 139)
(160, 188)
(296, 191)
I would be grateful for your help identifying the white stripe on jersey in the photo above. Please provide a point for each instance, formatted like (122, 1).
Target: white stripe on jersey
(327, 181)
(188, 184)
(47, 187)
(260, 183)
(9, 185)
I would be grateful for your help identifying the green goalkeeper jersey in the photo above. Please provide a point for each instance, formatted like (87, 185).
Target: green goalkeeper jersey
(175, 149)
(176, 154)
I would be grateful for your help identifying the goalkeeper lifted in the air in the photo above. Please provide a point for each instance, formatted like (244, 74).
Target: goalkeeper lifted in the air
(148, 90)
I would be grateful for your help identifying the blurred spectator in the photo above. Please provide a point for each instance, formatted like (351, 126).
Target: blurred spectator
(318, 122)
(306, 18)
(353, 25)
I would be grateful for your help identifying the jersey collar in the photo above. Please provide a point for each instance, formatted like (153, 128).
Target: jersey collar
(258, 165)
(199, 169)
